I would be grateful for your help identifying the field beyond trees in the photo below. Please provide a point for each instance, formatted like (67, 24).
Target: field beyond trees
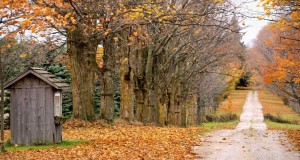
(284, 117)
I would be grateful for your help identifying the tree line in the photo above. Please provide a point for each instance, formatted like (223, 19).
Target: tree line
(275, 55)
(170, 61)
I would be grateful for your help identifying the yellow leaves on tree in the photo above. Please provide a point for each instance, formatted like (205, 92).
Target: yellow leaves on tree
(260, 18)
(26, 23)
(289, 10)
(36, 16)
(99, 56)
(147, 10)
(23, 55)
(284, 66)
(283, 69)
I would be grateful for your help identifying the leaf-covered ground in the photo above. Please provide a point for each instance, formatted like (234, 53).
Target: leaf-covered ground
(119, 142)
(294, 136)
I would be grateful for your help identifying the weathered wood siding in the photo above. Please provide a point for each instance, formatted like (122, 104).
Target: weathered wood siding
(32, 112)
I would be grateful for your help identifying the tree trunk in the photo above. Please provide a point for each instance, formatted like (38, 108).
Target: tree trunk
(184, 103)
(140, 86)
(107, 94)
(162, 109)
(2, 104)
(199, 110)
(151, 115)
(127, 91)
(171, 104)
(82, 56)
(146, 98)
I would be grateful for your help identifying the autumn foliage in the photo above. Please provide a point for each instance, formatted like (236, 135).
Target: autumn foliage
(276, 62)
(285, 65)
(119, 142)
(286, 12)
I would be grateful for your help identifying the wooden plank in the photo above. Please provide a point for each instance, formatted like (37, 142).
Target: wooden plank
(36, 68)
(27, 80)
(43, 83)
(19, 113)
(25, 112)
(41, 115)
(25, 115)
(12, 115)
(22, 116)
(28, 87)
(49, 116)
(38, 95)
(48, 75)
(40, 71)
(33, 113)
(58, 130)
(16, 117)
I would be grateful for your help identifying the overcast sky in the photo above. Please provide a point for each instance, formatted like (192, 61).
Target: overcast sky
(253, 25)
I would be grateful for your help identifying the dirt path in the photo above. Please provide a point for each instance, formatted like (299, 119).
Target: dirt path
(249, 141)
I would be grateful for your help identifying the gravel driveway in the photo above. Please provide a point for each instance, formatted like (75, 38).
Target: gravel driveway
(249, 141)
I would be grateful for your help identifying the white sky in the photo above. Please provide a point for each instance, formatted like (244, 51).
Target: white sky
(250, 8)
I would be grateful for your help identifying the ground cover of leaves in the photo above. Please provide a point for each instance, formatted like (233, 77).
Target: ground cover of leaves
(119, 142)
(294, 136)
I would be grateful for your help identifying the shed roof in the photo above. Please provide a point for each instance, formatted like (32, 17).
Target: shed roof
(41, 74)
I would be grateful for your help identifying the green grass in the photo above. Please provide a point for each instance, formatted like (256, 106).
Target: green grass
(213, 126)
(281, 126)
(220, 124)
(63, 144)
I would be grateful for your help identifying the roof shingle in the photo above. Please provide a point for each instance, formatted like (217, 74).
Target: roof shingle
(43, 75)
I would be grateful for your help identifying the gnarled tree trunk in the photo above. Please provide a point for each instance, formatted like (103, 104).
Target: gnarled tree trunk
(82, 56)
(127, 91)
(108, 87)
(140, 86)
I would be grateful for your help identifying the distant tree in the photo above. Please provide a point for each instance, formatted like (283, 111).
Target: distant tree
(244, 81)
(279, 64)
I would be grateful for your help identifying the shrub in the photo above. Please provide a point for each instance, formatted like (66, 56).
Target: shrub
(226, 117)
(279, 119)
(212, 118)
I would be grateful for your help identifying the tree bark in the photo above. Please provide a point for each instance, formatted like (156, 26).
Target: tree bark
(127, 91)
(2, 104)
(107, 94)
(82, 56)
(162, 109)
(140, 86)
(171, 104)
(149, 76)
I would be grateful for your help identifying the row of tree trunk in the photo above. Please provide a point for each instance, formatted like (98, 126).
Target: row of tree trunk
(159, 66)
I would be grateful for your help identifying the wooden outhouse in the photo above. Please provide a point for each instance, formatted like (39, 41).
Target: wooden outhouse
(36, 107)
